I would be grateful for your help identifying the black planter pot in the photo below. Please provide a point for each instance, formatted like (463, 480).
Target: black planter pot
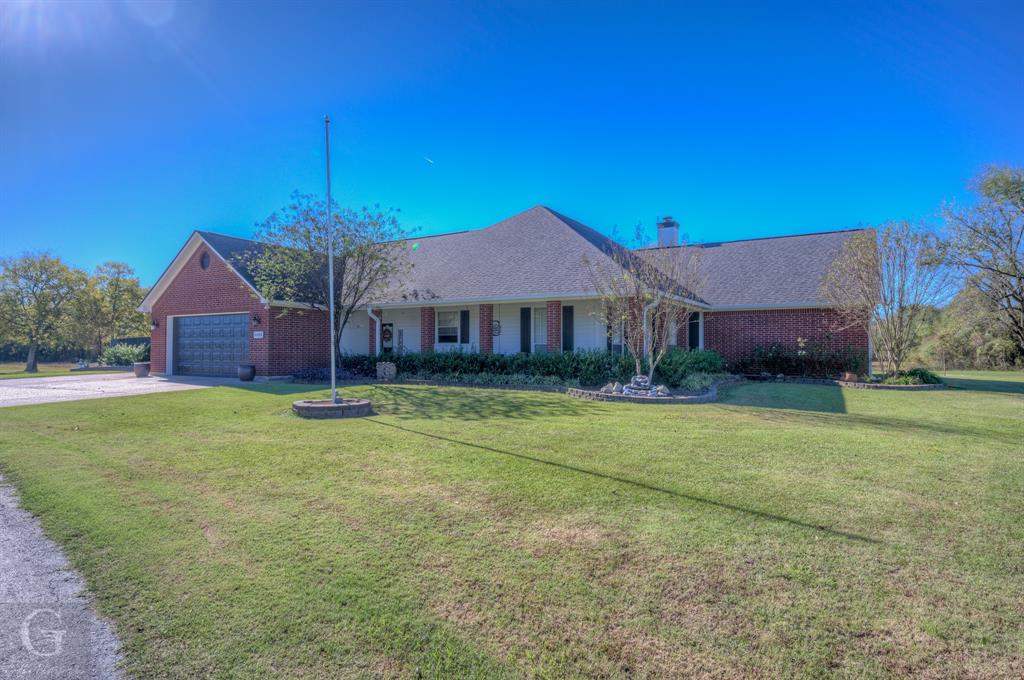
(246, 372)
(141, 369)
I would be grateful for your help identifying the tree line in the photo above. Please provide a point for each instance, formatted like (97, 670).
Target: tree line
(48, 307)
(947, 295)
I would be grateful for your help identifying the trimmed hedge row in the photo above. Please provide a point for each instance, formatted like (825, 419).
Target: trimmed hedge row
(809, 359)
(582, 367)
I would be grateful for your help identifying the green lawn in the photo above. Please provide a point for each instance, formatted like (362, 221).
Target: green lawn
(788, 530)
(16, 369)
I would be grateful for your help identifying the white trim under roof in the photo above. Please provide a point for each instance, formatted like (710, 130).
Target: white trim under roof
(506, 299)
(178, 263)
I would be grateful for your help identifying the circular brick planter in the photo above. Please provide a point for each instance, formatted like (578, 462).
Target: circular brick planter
(325, 408)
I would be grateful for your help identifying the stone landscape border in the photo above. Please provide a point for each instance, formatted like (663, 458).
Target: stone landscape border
(710, 394)
(854, 385)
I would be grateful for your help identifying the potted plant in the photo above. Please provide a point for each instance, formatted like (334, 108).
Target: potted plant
(141, 368)
(246, 372)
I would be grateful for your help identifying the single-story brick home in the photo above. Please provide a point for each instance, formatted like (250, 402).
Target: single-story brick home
(521, 285)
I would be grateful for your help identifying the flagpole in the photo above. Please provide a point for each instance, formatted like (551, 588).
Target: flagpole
(330, 255)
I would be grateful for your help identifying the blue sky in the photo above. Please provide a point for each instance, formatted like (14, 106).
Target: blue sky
(123, 126)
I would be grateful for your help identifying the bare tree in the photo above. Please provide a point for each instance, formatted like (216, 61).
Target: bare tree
(369, 257)
(646, 292)
(986, 242)
(884, 280)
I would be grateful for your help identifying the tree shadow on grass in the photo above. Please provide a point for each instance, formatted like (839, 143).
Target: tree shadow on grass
(890, 426)
(413, 402)
(981, 385)
(837, 533)
(793, 396)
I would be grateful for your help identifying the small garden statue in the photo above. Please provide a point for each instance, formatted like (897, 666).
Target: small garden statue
(386, 371)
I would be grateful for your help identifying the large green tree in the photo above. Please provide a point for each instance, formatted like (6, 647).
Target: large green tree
(986, 241)
(369, 256)
(36, 295)
(107, 307)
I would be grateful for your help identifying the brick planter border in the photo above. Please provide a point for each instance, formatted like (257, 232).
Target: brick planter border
(325, 408)
(854, 385)
(710, 394)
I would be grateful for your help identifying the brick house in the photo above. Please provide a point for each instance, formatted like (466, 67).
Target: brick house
(521, 285)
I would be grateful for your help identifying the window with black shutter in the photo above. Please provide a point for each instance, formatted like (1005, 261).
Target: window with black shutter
(567, 318)
(524, 329)
(464, 326)
(694, 330)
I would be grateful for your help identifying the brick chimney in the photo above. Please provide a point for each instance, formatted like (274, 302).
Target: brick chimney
(668, 232)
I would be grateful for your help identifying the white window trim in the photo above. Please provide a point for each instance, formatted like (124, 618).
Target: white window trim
(458, 326)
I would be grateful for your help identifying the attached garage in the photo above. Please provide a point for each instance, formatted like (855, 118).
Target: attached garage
(210, 344)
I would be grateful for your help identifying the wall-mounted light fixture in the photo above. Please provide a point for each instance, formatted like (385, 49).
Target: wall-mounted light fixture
(154, 325)
(256, 319)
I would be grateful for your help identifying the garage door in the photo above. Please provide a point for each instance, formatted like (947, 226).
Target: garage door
(211, 345)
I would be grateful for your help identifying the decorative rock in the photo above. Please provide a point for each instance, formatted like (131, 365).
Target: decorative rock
(617, 388)
(780, 377)
(608, 389)
(662, 391)
(386, 371)
(849, 377)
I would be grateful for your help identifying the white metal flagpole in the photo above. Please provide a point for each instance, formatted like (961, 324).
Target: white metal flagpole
(330, 255)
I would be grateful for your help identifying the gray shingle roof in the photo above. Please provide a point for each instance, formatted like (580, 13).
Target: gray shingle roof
(784, 271)
(540, 252)
(537, 252)
(235, 251)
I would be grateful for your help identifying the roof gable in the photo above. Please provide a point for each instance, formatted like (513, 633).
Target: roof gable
(196, 240)
(535, 253)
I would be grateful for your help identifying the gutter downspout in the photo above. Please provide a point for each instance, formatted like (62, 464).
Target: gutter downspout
(376, 336)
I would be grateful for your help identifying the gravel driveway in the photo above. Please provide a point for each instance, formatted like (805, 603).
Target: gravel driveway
(48, 628)
(20, 391)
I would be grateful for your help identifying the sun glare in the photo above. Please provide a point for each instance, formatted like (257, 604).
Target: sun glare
(43, 25)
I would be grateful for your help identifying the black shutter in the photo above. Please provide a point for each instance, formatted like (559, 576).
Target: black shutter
(567, 345)
(524, 330)
(464, 326)
(694, 335)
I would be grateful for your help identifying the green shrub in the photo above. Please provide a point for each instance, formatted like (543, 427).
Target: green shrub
(806, 359)
(494, 379)
(124, 354)
(915, 376)
(678, 364)
(585, 367)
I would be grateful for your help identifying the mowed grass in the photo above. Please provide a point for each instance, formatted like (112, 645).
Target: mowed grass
(788, 530)
(15, 369)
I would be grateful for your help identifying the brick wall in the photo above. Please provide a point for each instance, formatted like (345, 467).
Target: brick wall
(299, 338)
(554, 340)
(426, 329)
(735, 334)
(215, 290)
(486, 315)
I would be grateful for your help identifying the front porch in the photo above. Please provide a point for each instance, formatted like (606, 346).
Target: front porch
(500, 327)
